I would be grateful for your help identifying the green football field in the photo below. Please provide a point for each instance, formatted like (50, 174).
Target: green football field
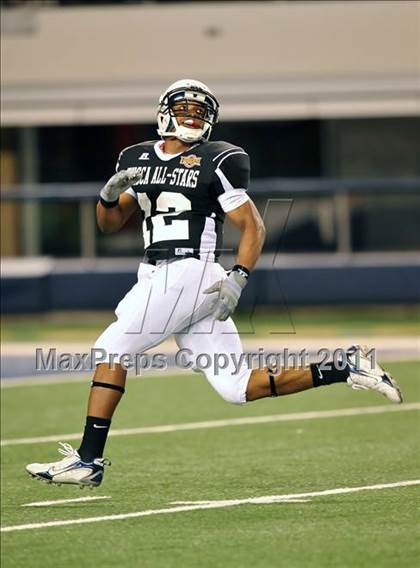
(306, 321)
(214, 454)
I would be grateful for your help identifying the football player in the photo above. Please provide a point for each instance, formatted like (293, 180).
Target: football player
(185, 186)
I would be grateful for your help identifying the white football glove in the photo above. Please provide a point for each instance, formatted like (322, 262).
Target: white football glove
(120, 182)
(230, 290)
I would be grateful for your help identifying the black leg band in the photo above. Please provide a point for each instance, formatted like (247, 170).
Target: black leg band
(273, 389)
(108, 386)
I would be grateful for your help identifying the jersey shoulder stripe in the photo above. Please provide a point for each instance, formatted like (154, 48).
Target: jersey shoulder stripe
(213, 149)
(223, 150)
(228, 154)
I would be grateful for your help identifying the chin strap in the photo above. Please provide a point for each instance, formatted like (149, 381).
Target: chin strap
(183, 132)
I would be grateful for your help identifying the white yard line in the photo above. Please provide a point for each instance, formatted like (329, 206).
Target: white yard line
(265, 500)
(277, 339)
(228, 422)
(64, 501)
(207, 502)
(66, 378)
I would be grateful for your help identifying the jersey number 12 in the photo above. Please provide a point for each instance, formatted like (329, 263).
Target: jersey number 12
(164, 225)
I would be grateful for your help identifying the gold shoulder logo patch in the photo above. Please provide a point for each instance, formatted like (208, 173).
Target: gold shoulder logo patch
(190, 161)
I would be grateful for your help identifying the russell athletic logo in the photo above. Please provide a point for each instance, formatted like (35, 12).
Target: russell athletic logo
(190, 161)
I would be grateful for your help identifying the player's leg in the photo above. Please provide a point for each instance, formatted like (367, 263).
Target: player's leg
(357, 370)
(267, 382)
(102, 400)
(132, 332)
(218, 345)
(85, 466)
(264, 382)
(229, 372)
(238, 384)
(108, 386)
(147, 315)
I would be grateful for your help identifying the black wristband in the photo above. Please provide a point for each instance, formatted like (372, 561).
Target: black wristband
(242, 270)
(108, 204)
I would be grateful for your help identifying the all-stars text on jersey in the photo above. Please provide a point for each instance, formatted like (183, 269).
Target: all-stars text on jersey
(158, 175)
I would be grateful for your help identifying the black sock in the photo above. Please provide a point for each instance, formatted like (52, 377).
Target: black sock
(94, 438)
(327, 374)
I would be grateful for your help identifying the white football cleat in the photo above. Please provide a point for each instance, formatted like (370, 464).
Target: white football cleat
(70, 469)
(366, 374)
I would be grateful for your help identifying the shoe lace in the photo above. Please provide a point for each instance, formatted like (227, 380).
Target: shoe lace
(103, 461)
(69, 452)
(66, 449)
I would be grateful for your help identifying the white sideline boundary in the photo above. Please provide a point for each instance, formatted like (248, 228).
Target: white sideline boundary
(65, 501)
(362, 410)
(265, 500)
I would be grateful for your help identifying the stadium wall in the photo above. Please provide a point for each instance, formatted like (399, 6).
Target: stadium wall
(358, 282)
(105, 64)
(270, 38)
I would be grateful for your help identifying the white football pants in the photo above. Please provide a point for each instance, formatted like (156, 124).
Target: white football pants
(168, 300)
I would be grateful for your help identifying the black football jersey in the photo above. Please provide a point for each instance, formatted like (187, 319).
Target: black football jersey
(184, 197)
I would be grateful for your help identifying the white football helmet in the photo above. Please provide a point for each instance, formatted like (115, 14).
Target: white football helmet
(187, 90)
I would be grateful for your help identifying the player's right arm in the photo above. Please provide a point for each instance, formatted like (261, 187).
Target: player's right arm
(111, 219)
(116, 206)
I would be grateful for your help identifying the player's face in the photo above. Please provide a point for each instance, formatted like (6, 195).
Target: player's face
(190, 114)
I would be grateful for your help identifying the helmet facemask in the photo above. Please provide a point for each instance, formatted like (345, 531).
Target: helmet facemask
(183, 97)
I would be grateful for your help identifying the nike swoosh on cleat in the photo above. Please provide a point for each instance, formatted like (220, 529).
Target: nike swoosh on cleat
(388, 381)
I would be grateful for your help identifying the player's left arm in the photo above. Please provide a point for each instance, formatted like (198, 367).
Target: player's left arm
(232, 178)
(248, 220)
(232, 175)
